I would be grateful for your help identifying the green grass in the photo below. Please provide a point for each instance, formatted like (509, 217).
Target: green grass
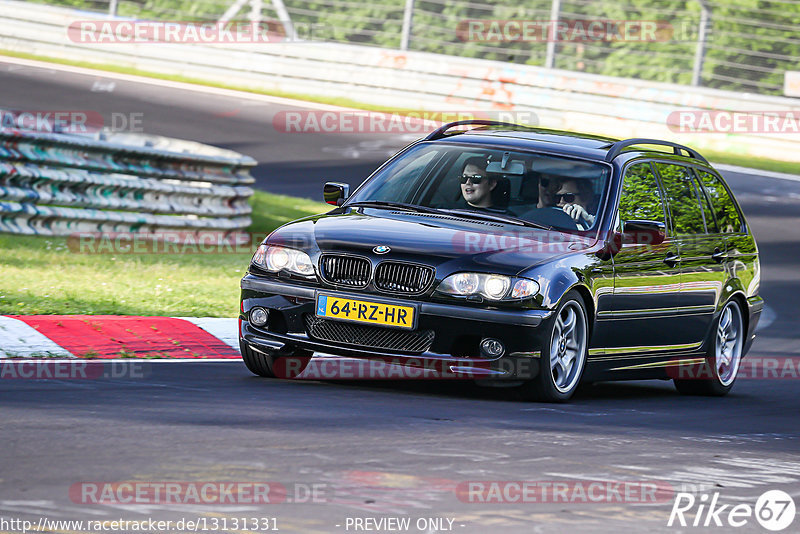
(271, 211)
(763, 164)
(42, 275)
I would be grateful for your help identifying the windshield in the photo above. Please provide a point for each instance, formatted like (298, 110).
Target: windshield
(541, 189)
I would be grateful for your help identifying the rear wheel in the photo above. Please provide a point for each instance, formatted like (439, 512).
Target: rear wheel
(718, 373)
(563, 359)
(271, 366)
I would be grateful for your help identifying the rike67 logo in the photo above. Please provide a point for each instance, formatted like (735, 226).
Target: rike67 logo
(774, 510)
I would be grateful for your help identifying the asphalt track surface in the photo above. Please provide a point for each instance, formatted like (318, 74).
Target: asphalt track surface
(387, 449)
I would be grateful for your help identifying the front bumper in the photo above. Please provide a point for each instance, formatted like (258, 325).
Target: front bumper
(458, 331)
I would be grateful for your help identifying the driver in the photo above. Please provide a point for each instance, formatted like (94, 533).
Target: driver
(576, 197)
(476, 186)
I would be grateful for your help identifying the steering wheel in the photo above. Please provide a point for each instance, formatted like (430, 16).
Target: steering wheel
(551, 216)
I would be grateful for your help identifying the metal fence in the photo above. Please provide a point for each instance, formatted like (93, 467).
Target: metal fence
(727, 44)
(58, 184)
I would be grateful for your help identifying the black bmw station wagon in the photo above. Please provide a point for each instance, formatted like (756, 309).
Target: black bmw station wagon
(529, 258)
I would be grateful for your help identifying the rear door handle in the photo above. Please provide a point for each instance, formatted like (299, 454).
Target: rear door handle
(672, 259)
(719, 255)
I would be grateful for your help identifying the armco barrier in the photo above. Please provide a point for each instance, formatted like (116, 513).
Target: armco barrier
(561, 99)
(58, 184)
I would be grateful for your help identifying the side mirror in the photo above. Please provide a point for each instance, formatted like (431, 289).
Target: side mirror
(613, 244)
(335, 193)
(644, 232)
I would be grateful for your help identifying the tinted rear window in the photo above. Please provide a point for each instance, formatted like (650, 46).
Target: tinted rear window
(725, 210)
(685, 201)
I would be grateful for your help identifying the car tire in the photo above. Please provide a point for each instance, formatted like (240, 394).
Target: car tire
(270, 366)
(718, 374)
(258, 363)
(563, 358)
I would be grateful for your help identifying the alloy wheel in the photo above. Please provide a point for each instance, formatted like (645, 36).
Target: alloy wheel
(730, 333)
(568, 347)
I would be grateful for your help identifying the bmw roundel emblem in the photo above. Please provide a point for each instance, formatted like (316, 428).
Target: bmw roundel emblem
(381, 249)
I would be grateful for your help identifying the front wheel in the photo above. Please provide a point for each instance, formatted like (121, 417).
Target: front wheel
(719, 371)
(270, 366)
(563, 359)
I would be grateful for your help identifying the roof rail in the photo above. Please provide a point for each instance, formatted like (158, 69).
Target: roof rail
(617, 147)
(442, 130)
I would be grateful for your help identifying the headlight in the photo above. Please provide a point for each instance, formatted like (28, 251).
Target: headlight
(463, 283)
(490, 286)
(496, 287)
(524, 288)
(275, 259)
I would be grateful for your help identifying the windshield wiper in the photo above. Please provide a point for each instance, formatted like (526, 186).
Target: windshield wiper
(500, 217)
(465, 213)
(391, 205)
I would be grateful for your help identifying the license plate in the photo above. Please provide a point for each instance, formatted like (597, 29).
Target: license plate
(363, 311)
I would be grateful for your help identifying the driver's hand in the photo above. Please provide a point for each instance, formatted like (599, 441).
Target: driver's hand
(578, 213)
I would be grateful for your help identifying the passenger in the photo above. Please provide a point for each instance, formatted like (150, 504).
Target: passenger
(576, 198)
(476, 187)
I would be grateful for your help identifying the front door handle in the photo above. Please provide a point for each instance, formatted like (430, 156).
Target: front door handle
(719, 255)
(672, 259)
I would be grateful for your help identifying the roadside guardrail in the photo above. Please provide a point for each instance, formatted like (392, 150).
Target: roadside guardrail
(59, 184)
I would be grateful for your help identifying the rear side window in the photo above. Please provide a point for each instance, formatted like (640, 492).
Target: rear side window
(724, 208)
(641, 197)
(684, 198)
(708, 215)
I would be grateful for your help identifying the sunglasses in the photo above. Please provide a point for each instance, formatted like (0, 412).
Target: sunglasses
(474, 178)
(567, 197)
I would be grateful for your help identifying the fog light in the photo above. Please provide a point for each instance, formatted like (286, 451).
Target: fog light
(259, 316)
(492, 347)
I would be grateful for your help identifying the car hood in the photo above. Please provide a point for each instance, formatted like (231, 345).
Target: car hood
(448, 243)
